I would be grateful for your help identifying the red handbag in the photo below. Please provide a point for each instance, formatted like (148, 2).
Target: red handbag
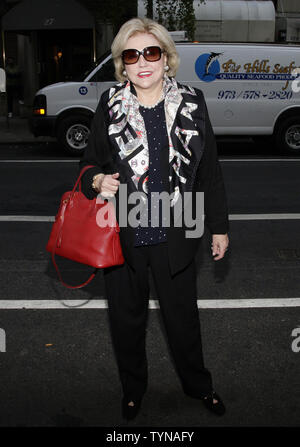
(77, 235)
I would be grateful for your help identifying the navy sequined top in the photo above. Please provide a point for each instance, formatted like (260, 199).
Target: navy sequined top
(155, 124)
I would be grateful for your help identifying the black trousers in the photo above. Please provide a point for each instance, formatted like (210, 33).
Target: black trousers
(127, 292)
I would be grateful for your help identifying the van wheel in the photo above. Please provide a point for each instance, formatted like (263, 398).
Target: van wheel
(287, 135)
(73, 133)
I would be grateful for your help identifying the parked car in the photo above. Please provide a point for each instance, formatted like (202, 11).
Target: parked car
(248, 88)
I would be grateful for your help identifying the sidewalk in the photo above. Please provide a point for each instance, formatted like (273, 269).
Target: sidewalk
(17, 131)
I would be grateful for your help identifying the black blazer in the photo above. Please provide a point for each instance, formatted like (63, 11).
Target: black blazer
(208, 179)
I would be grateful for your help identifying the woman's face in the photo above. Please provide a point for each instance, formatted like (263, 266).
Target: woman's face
(143, 74)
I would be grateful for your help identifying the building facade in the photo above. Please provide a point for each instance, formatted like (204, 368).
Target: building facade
(57, 40)
(288, 21)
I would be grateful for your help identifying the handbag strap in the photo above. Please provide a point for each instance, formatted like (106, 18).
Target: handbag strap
(68, 285)
(59, 234)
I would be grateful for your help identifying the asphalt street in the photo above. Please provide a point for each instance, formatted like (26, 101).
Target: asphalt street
(58, 368)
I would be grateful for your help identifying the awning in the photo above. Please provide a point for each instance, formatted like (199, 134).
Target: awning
(47, 15)
(223, 10)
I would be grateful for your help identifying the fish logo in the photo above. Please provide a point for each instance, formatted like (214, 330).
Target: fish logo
(207, 66)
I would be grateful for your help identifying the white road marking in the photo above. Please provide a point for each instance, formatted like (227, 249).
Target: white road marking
(40, 161)
(274, 216)
(72, 160)
(14, 218)
(153, 304)
(259, 159)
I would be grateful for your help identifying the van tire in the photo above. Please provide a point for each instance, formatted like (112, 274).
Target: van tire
(73, 132)
(287, 135)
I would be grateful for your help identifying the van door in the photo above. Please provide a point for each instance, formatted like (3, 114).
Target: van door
(103, 76)
(201, 67)
(244, 85)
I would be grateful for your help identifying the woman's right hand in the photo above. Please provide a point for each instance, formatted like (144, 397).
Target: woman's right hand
(108, 185)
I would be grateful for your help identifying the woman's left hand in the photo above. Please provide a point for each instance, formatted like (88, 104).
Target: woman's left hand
(219, 245)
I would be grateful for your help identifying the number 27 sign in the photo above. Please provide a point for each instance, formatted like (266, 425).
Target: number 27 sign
(49, 22)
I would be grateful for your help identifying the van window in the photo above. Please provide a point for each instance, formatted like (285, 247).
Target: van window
(105, 73)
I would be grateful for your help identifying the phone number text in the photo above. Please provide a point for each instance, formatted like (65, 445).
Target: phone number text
(254, 94)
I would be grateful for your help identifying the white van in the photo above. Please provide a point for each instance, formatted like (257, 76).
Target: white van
(250, 89)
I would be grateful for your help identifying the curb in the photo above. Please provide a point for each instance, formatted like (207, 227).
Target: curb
(17, 131)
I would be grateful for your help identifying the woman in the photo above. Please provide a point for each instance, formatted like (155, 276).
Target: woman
(154, 135)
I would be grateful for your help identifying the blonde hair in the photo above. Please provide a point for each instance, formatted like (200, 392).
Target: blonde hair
(138, 25)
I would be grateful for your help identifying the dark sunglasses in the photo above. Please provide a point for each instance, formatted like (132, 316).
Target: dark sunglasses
(151, 54)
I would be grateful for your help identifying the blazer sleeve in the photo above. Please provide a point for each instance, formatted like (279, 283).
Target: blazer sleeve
(97, 152)
(211, 180)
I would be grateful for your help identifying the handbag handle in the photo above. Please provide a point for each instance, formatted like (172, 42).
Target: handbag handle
(79, 178)
(59, 234)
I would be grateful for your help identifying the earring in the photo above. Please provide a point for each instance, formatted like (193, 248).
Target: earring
(124, 73)
(166, 67)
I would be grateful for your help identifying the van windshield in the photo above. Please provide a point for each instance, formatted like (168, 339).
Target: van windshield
(105, 73)
(81, 77)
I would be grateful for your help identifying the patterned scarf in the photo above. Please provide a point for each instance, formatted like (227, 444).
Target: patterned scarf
(127, 131)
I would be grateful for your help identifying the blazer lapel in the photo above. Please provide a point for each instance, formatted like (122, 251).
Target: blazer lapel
(185, 126)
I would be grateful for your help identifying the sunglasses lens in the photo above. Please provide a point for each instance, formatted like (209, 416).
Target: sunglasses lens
(152, 54)
(130, 56)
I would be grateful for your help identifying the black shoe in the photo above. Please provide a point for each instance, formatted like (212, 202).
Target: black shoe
(130, 411)
(218, 407)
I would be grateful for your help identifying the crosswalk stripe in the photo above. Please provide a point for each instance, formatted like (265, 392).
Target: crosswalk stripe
(74, 160)
(153, 304)
(261, 216)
